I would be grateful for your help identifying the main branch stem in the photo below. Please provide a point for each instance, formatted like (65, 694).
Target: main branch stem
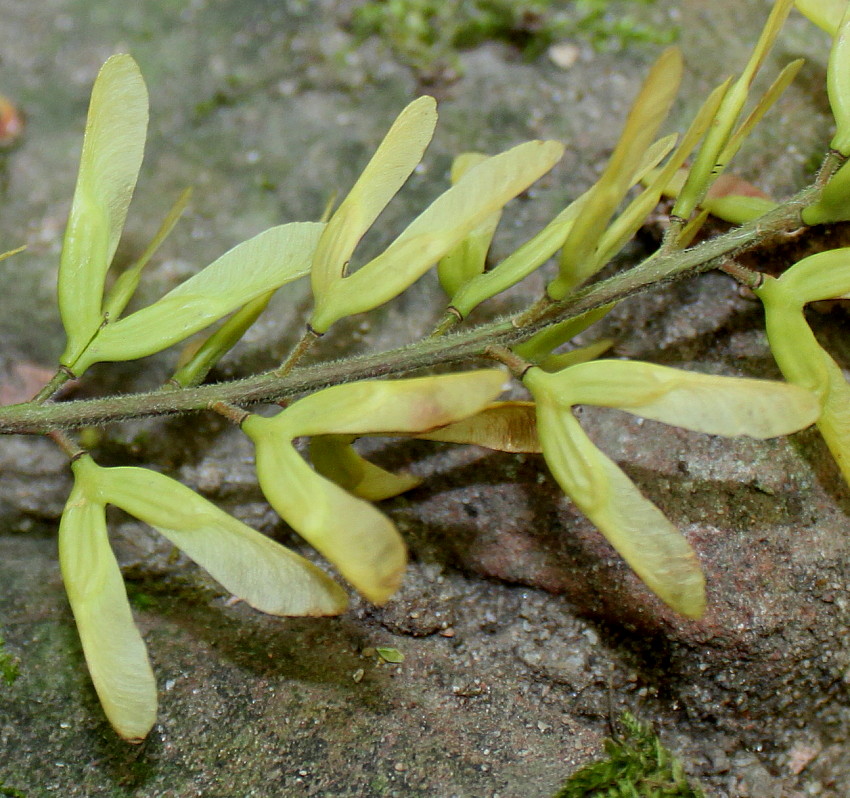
(31, 418)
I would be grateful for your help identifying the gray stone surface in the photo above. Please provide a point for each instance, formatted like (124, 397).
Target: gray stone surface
(521, 629)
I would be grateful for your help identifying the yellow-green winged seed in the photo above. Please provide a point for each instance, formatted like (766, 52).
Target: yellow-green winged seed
(503, 426)
(700, 402)
(838, 84)
(436, 231)
(635, 527)
(648, 112)
(115, 653)
(249, 270)
(109, 166)
(799, 355)
(468, 258)
(729, 406)
(386, 406)
(825, 14)
(361, 542)
(253, 567)
(334, 457)
(824, 275)
(393, 162)
(264, 574)
(714, 153)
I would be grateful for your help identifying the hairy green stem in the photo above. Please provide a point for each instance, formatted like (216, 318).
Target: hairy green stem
(31, 418)
(517, 365)
(56, 382)
(741, 274)
(64, 441)
(298, 351)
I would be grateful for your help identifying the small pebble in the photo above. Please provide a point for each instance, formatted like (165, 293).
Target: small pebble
(563, 55)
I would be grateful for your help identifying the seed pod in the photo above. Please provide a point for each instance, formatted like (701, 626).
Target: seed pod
(503, 426)
(388, 169)
(109, 166)
(115, 652)
(469, 257)
(249, 270)
(264, 574)
(834, 202)
(730, 406)
(804, 362)
(482, 191)
(825, 14)
(824, 275)
(387, 406)
(838, 85)
(334, 457)
(635, 527)
(361, 542)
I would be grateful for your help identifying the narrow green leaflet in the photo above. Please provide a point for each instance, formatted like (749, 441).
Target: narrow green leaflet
(390, 166)
(218, 343)
(520, 263)
(436, 231)
(261, 572)
(113, 147)
(706, 403)
(764, 104)
(562, 360)
(654, 155)
(249, 270)
(115, 653)
(778, 14)
(636, 212)
(543, 343)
